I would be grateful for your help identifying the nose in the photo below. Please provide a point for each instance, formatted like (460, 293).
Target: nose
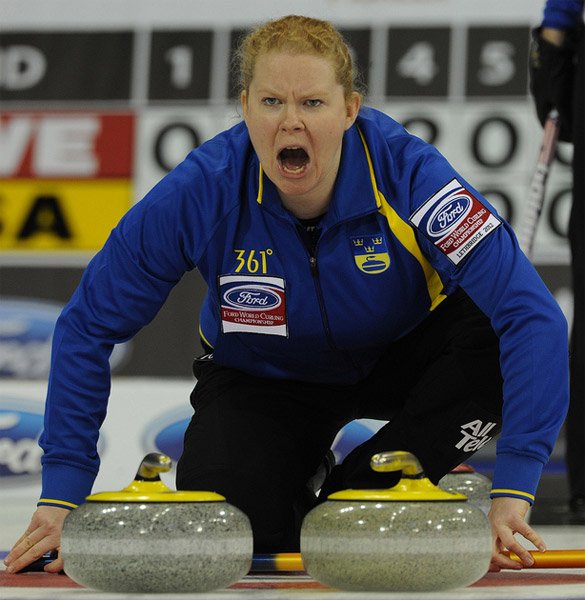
(291, 119)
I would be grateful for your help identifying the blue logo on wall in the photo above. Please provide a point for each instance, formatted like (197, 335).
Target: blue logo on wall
(166, 433)
(21, 423)
(26, 331)
(169, 440)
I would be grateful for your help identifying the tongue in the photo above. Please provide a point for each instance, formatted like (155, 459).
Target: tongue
(293, 159)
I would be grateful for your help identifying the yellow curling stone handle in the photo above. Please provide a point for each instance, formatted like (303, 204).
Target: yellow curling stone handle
(413, 487)
(148, 487)
(397, 461)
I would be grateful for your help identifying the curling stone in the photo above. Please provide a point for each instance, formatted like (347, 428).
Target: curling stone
(464, 479)
(148, 538)
(477, 487)
(411, 537)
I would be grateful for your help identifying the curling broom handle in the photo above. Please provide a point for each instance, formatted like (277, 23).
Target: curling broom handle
(551, 559)
(537, 191)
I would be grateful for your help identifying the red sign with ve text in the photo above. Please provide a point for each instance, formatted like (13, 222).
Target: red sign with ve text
(66, 145)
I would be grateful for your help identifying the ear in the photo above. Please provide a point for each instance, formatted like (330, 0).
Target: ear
(352, 109)
(244, 103)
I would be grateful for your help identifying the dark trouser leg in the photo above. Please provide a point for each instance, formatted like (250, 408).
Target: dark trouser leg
(441, 389)
(257, 441)
(575, 422)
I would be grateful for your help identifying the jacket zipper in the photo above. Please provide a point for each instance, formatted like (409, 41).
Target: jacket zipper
(315, 273)
(314, 267)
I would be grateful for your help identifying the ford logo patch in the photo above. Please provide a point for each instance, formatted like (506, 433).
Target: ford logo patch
(252, 297)
(447, 214)
(21, 423)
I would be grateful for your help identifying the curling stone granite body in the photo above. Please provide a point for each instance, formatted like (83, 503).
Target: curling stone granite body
(393, 546)
(151, 547)
(475, 486)
(147, 538)
(412, 537)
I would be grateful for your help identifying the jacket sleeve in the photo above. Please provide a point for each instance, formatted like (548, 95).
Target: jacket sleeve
(532, 332)
(533, 336)
(470, 246)
(562, 14)
(121, 291)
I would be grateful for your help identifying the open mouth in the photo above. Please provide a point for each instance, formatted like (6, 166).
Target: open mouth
(293, 159)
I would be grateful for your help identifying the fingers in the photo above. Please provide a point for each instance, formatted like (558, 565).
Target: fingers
(532, 536)
(507, 517)
(41, 536)
(32, 527)
(500, 560)
(29, 548)
(514, 546)
(525, 559)
(507, 543)
(56, 566)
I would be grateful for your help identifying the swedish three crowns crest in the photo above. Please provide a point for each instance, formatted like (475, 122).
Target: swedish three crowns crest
(370, 253)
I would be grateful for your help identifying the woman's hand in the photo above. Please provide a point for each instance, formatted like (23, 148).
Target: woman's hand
(42, 535)
(507, 517)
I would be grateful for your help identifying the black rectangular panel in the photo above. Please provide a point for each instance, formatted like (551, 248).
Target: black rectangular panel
(418, 61)
(497, 61)
(180, 65)
(66, 65)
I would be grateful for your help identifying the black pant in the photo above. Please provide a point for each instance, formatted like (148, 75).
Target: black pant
(257, 440)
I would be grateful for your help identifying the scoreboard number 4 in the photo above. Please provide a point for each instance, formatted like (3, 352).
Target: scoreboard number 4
(419, 63)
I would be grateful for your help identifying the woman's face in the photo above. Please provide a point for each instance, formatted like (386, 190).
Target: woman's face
(296, 114)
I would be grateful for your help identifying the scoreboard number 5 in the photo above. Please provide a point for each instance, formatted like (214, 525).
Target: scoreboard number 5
(497, 65)
(496, 61)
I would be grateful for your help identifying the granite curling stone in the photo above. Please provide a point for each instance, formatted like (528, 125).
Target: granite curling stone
(464, 479)
(147, 538)
(412, 537)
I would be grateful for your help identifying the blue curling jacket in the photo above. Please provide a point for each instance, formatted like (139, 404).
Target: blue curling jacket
(403, 231)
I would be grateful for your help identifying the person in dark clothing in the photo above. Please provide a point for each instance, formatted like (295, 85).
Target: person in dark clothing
(557, 80)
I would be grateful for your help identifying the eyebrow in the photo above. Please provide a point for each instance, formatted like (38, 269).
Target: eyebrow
(310, 94)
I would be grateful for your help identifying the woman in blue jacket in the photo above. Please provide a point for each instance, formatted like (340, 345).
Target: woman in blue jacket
(352, 272)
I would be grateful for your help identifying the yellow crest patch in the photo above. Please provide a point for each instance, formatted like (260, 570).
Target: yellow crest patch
(370, 253)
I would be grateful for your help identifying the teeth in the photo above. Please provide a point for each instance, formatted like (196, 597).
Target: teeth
(293, 159)
(293, 170)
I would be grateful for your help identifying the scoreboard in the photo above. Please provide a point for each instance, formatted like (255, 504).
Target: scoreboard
(91, 120)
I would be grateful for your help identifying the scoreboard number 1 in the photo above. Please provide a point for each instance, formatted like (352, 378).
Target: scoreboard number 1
(181, 61)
